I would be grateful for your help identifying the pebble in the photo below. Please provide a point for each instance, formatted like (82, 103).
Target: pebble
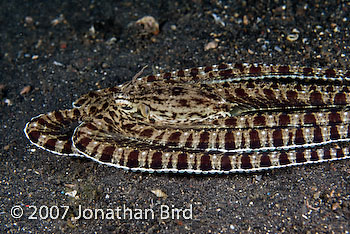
(292, 37)
(58, 20)
(159, 193)
(58, 64)
(7, 147)
(295, 31)
(218, 20)
(245, 20)
(278, 49)
(72, 193)
(105, 65)
(28, 20)
(149, 23)
(8, 102)
(211, 45)
(25, 90)
(335, 206)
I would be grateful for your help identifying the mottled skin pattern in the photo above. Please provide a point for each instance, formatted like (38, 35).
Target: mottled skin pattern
(217, 119)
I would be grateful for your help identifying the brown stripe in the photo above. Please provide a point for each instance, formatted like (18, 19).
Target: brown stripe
(80, 102)
(67, 148)
(182, 161)
(107, 154)
(334, 133)
(133, 159)
(340, 153)
(174, 139)
(300, 158)
(283, 159)
(59, 117)
(226, 162)
(156, 160)
(151, 78)
(147, 133)
(299, 137)
(269, 94)
(309, 118)
(317, 135)
(283, 69)
(208, 69)
(259, 121)
(316, 98)
(227, 72)
(176, 91)
(330, 73)
(245, 162)
(181, 73)
(334, 117)
(284, 120)
(167, 76)
(241, 93)
(50, 144)
(308, 71)
(265, 160)
(205, 163)
(340, 99)
(203, 140)
(194, 71)
(292, 96)
(277, 138)
(255, 70)
(254, 139)
(229, 141)
(326, 154)
(91, 126)
(43, 122)
(232, 121)
(184, 102)
(34, 136)
(83, 143)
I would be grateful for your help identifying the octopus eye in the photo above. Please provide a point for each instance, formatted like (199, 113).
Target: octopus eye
(126, 107)
(145, 110)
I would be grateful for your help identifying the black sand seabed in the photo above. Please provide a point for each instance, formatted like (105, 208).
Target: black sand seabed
(51, 46)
